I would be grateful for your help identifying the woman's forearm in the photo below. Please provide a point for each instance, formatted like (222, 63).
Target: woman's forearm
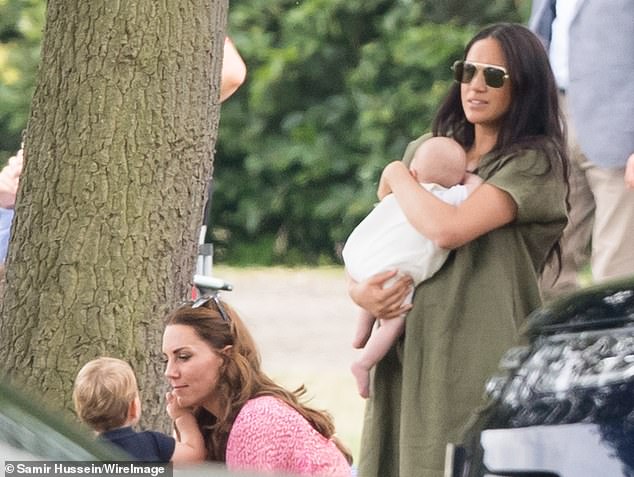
(424, 211)
(449, 226)
(190, 444)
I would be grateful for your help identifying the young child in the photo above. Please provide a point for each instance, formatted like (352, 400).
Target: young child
(106, 397)
(385, 240)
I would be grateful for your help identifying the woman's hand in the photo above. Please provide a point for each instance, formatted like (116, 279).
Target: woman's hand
(174, 409)
(382, 303)
(389, 174)
(383, 190)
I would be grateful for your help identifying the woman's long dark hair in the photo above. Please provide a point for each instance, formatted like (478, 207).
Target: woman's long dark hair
(241, 377)
(534, 119)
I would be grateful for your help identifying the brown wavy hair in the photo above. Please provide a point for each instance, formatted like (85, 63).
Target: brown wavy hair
(241, 377)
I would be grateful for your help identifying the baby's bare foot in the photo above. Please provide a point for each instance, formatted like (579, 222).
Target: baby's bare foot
(362, 376)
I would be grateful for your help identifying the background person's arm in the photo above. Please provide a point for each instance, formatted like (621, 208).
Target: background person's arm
(9, 180)
(629, 172)
(233, 72)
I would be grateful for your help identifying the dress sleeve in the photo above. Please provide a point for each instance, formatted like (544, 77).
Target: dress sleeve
(529, 178)
(412, 146)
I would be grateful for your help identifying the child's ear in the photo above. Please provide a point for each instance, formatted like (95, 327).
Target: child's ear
(134, 410)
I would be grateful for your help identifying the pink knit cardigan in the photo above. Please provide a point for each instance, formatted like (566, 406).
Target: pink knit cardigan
(270, 436)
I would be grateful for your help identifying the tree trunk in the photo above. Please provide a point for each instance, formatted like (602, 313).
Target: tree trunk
(118, 155)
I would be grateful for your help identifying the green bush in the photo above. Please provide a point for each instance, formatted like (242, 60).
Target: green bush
(21, 24)
(335, 90)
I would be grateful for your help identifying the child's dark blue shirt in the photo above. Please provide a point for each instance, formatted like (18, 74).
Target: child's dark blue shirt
(146, 446)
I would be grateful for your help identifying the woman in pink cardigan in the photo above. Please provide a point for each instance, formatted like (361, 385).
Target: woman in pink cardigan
(246, 419)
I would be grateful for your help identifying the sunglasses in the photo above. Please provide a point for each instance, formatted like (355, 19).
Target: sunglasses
(494, 76)
(204, 300)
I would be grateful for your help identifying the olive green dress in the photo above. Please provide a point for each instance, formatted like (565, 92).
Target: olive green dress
(464, 318)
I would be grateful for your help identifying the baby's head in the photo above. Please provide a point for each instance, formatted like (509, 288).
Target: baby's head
(106, 395)
(440, 160)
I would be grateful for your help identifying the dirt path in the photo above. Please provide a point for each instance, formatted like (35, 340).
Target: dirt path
(303, 320)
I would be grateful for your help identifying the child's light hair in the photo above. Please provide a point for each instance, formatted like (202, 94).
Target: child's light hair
(103, 391)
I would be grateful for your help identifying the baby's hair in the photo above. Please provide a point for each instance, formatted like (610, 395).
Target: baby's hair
(103, 391)
(440, 160)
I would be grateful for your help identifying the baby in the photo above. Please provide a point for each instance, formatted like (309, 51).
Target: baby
(385, 240)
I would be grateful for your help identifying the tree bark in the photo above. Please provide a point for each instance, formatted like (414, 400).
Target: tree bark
(118, 154)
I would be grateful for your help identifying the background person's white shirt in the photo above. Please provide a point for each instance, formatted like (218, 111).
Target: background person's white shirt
(560, 41)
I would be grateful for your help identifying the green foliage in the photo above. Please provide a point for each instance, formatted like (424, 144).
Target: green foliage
(335, 90)
(21, 24)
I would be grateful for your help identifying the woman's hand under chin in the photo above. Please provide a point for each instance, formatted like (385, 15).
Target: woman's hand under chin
(174, 408)
(382, 303)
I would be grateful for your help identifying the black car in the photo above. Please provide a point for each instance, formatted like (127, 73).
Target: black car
(564, 405)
